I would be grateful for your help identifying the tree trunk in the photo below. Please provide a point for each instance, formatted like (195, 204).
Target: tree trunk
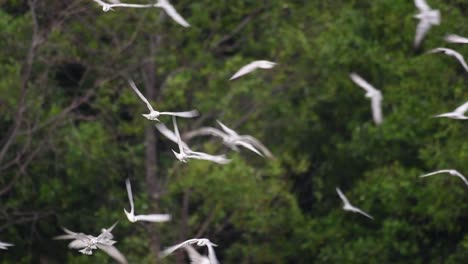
(151, 141)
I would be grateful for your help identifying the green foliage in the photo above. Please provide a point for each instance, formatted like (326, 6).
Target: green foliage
(306, 111)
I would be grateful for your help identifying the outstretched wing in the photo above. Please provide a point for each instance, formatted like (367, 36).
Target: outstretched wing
(142, 97)
(248, 146)
(342, 196)
(452, 38)
(170, 10)
(422, 5)
(357, 210)
(204, 131)
(227, 129)
(435, 172)
(153, 218)
(460, 58)
(362, 83)
(130, 195)
(244, 70)
(176, 131)
(462, 109)
(169, 250)
(185, 114)
(376, 104)
(220, 159)
(421, 31)
(195, 257)
(113, 252)
(211, 254)
(258, 145)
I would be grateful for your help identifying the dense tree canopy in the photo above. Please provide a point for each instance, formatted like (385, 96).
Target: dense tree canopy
(71, 130)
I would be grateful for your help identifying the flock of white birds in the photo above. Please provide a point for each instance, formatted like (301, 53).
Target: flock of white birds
(104, 241)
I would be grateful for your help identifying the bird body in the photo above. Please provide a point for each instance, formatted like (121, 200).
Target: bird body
(427, 18)
(147, 218)
(87, 243)
(153, 114)
(262, 64)
(374, 95)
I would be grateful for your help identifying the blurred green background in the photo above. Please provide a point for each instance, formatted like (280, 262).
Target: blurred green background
(71, 130)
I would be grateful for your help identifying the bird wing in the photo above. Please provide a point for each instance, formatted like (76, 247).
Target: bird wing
(176, 131)
(342, 196)
(130, 195)
(421, 30)
(357, 210)
(77, 244)
(170, 10)
(456, 39)
(435, 172)
(113, 252)
(452, 53)
(227, 129)
(248, 146)
(71, 235)
(258, 145)
(460, 58)
(362, 83)
(461, 177)
(211, 254)
(131, 5)
(153, 217)
(171, 249)
(376, 104)
(462, 109)
(194, 256)
(264, 64)
(244, 70)
(4, 245)
(204, 131)
(185, 114)
(142, 97)
(221, 159)
(422, 5)
(106, 235)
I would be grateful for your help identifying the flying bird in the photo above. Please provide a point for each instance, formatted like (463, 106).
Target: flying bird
(186, 153)
(427, 18)
(451, 53)
(348, 206)
(232, 139)
(372, 93)
(148, 218)
(170, 10)
(153, 115)
(452, 38)
(458, 113)
(451, 172)
(262, 64)
(87, 243)
(106, 6)
(4, 245)
(199, 242)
